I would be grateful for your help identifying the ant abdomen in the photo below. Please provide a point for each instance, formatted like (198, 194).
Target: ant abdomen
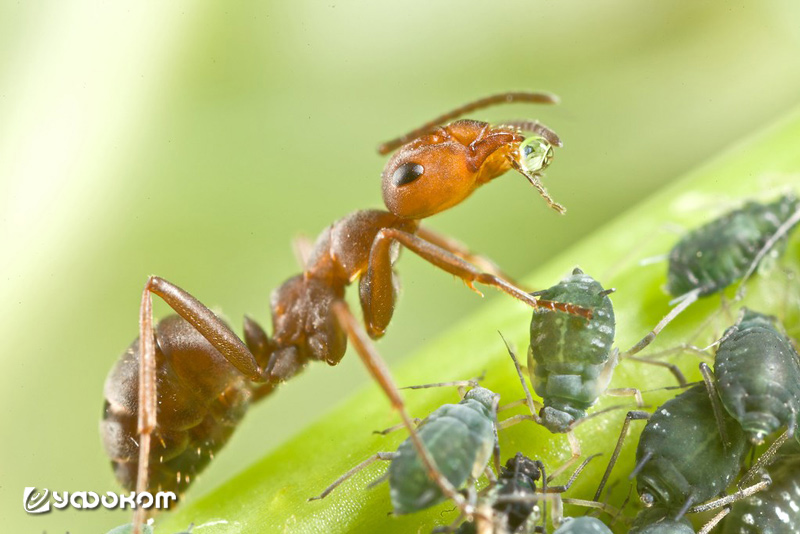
(202, 399)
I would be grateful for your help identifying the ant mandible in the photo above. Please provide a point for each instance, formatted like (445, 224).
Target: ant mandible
(207, 377)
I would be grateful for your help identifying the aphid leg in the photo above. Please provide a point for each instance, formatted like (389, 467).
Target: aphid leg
(732, 498)
(686, 301)
(575, 448)
(532, 406)
(631, 416)
(716, 405)
(628, 392)
(377, 368)
(646, 458)
(379, 273)
(457, 248)
(383, 456)
(503, 98)
(302, 246)
(685, 508)
(714, 521)
(395, 428)
(771, 242)
(572, 478)
(674, 369)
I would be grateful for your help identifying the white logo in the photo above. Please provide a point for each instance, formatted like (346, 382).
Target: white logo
(36, 502)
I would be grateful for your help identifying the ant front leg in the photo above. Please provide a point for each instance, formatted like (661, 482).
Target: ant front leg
(377, 285)
(210, 327)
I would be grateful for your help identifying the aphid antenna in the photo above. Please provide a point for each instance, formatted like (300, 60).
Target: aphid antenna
(382, 456)
(631, 416)
(671, 388)
(532, 405)
(767, 458)
(768, 246)
(714, 521)
(730, 499)
(646, 458)
(481, 103)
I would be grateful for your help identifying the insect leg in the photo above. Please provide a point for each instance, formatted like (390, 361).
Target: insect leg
(732, 498)
(385, 456)
(147, 399)
(708, 527)
(457, 248)
(716, 405)
(377, 368)
(379, 270)
(685, 302)
(395, 428)
(631, 416)
(766, 458)
(575, 448)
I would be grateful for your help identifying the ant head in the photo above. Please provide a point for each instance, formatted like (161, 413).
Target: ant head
(437, 167)
(439, 170)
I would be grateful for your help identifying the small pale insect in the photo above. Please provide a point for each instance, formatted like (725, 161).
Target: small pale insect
(681, 459)
(460, 439)
(758, 375)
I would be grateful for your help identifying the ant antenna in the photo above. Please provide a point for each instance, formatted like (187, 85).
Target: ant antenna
(481, 103)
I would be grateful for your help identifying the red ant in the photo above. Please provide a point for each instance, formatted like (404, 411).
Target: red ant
(207, 377)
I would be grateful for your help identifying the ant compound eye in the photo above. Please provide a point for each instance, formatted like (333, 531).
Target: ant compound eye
(535, 153)
(407, 173)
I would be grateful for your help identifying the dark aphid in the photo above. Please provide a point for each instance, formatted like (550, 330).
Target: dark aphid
(681, 459)
(776, 510)
(583, 525)
(660, 521)
(711, 258)
(757, 374)
(511, 503)
(460, 439)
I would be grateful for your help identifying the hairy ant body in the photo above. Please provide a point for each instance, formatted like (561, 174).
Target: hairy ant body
(187, 381)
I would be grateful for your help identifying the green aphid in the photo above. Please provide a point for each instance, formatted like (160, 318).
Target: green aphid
(776, 510)
(460, 438)
(571, 360)
(712, 257)
(681, 459)
(757, 373)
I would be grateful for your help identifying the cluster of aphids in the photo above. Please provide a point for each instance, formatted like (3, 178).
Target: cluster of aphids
(177, 393)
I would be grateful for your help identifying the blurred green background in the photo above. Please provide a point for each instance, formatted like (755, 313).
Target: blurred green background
(194, 140)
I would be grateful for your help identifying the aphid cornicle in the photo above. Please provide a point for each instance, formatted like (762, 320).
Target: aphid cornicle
(776, 510)
(712, 257)
(210, 376)
(757, 375)
(460, 439)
